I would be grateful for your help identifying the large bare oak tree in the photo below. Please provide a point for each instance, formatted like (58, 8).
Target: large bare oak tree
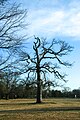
(45, 60)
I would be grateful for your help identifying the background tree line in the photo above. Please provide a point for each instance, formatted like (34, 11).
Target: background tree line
(28, 90)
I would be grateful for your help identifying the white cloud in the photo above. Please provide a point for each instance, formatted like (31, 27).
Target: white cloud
(71, 25)
(56, 22)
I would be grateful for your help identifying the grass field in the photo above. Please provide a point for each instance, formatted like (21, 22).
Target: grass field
(50, 109)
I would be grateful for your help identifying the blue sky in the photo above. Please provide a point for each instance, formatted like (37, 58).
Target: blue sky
(57, 19)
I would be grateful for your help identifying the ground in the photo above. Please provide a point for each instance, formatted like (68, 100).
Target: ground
(49, 109)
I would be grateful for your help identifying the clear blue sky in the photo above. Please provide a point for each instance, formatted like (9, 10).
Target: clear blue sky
(57, 19)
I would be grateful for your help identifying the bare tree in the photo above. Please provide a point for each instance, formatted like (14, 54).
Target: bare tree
(12, 22)
(45, 60)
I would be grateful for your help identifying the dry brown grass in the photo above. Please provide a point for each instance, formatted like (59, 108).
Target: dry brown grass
(50, 109)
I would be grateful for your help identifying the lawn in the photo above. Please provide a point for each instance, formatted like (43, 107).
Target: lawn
(50, 109)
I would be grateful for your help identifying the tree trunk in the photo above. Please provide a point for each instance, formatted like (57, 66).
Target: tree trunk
(39, 92)
(7, 96)
(39, 86)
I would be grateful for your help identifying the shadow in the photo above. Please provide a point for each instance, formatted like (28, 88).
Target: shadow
(32, 103)
(41, 109)
(13, 104)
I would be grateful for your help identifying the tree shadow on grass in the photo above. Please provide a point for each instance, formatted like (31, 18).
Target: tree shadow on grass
(41, 110)
(32, 103)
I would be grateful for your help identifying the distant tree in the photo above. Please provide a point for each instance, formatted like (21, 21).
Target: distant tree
(2, 89)
(8, 81)
(46, 59)
(76, 93)
(29, 88)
